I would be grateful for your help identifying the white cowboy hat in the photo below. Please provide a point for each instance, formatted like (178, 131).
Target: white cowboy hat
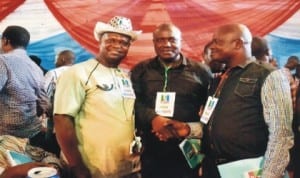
(117, 24)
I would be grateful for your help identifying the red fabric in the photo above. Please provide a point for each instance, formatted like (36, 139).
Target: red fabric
(196, 18)
(7, 6)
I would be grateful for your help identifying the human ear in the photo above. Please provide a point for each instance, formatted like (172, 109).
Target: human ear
(239, 43)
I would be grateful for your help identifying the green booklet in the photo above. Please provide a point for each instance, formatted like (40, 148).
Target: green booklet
(190, 148)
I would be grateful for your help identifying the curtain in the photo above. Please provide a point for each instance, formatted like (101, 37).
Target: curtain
(8, 6)
(196, 18)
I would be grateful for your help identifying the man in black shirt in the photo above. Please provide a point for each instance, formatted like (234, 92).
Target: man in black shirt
(170, 89)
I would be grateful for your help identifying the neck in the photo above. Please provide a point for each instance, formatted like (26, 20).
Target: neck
(106, 64)
(172, 62)
(237, 60)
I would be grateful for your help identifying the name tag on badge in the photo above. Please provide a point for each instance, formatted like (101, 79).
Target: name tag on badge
(164, 105)
(126, 87)
(208, 109)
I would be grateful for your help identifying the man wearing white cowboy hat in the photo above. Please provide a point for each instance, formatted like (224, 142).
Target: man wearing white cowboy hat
(94, 100)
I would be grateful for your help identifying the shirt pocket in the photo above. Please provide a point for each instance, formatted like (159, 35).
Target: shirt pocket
(245, 87)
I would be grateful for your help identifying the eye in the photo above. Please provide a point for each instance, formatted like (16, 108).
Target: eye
(113, 41)
(172, 40)
(217, 41)
(159, 40)
(164, 40)
(124, 43)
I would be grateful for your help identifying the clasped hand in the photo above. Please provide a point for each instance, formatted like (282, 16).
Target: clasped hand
(166, 129)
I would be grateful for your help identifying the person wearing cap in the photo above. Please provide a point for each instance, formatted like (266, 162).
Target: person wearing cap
(93, 108)
(23, 98)
(168, 80)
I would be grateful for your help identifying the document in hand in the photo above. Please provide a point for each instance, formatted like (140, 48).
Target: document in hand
(245, 168)
(16, 158)
(191, 150)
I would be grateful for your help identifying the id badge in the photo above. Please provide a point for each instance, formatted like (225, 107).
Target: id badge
(164, 104)
(208, 109)
(126, 87)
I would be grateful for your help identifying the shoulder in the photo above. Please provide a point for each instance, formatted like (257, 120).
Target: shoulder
(144, 65)
(79, 73)
(82, 67)
(261, 66)
(50, 73)
(197, 64)
(258, 70)
(280, 73)
(124, 71)
(198, 67)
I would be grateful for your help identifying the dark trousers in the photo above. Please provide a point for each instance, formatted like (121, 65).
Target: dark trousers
(39, 140)
(294, 164)
(158, 167)
(46, 142)
(209, 168)
(52, 144)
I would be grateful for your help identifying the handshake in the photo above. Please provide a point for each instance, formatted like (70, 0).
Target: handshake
(166, 129)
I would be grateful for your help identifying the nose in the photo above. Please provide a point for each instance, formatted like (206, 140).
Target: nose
(166, 42)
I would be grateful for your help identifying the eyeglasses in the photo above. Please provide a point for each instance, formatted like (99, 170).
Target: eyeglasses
(113, 41)
(171, 40)
(244, 42)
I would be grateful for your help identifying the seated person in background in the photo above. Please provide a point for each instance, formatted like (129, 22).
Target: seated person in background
(40, 157)
(22, 95)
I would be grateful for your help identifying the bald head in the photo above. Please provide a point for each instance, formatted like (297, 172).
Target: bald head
(236, 31)
(232, 44)
(167, 27)
(66, 57)
(260, 49)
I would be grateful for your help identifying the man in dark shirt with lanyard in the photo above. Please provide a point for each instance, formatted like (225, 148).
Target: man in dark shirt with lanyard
(170, 89)
(252, 111)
